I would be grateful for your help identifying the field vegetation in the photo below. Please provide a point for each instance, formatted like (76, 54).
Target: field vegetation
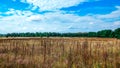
(59, 52)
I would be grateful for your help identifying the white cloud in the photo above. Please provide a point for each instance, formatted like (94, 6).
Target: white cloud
(116, 23)
(26, 21)
(34, 18)
(53, 4)
(91, 23)
(114, 14)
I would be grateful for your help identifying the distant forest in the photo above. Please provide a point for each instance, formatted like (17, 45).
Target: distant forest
(102, 33)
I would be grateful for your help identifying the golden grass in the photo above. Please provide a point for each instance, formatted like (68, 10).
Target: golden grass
(59, 53)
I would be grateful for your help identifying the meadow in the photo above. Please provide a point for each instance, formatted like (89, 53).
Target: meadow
(59, 52)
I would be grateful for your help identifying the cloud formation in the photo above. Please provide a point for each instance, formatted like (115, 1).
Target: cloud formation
(51, 5)
(56, 20)
(27, 21)
(114, 14)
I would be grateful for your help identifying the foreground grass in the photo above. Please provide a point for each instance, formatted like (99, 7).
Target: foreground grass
(59, 53)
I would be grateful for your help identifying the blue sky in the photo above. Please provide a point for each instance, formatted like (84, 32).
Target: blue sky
(58, 15)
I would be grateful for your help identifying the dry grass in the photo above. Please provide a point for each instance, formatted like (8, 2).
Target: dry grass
(59, 53)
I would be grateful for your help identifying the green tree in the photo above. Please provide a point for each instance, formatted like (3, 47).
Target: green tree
(117, 33)
(92, 34)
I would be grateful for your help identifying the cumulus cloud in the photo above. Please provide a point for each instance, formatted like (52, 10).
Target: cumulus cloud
(36, 18)
(116, 23)
(114, 14)
(27, 21)
(46, 5)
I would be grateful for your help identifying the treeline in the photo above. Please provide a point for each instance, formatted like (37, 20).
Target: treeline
(102, 33)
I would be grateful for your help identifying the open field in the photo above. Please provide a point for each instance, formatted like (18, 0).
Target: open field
(59, 53)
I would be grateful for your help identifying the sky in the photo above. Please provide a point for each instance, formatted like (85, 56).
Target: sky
(58, 15)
